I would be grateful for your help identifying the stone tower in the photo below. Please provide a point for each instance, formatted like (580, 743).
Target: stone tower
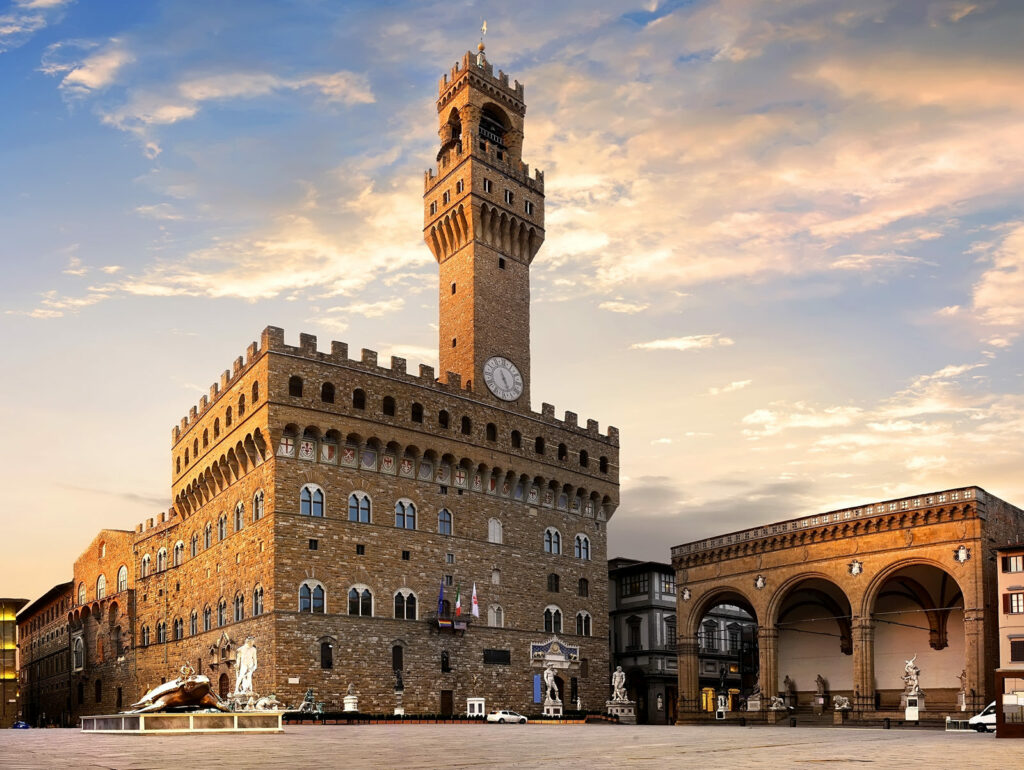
(484, 222)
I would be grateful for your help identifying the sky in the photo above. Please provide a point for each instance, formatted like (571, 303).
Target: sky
(784, 256)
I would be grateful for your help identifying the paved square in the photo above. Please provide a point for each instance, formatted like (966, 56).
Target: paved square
(524, 746)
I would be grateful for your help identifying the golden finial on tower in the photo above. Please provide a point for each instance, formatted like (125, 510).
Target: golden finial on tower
(480, 47)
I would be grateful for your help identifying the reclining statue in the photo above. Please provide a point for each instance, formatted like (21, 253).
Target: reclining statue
(189, 692)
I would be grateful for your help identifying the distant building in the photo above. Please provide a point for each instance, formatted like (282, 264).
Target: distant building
(727, 655)
(1010, 674)
(44, 644)
(642, 610)
(9, 660)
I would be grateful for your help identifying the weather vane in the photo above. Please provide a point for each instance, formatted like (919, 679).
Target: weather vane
(480, 48)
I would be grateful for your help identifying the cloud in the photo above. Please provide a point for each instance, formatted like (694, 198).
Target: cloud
(620, 306)
(695, 342)
(26, 17)
(730, 388)
(75, 267)
(770, 422)
(86, 74)
(998, 296)
(163, 211)
(870, 262)
(661, 441)
(371, 309)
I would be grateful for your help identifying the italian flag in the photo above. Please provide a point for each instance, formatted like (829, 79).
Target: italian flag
(458, 601)
(476, 607)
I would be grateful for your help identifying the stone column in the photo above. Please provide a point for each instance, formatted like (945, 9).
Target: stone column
(978, 669)
(768, 662)
(689, 680)
(863, 630)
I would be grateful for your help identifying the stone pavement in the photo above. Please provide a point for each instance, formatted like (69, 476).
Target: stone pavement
(522, 746)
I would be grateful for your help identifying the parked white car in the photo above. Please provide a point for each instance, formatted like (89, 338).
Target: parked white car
(986, 720)
(506, 716)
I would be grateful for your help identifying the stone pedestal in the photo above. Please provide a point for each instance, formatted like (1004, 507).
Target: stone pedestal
(399, 708)
(838, 717)
(819, 705)
(920, 701)
(754, 703)
(961, 701)
(552, 708)
(625, 710)
(351, 703)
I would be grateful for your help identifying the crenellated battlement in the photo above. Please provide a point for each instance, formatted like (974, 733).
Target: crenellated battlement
(168, 517)
(515, 169)
(468, 67)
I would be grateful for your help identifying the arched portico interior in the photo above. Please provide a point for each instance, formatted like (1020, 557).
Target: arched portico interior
(725, 631)
(813, 619)
(918, 610)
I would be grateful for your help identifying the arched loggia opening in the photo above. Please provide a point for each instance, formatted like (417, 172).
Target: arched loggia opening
(727, 650)
(813, 617)
(918, 614)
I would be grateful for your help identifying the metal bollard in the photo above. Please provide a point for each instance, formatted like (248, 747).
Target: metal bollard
(885, 723)
(743, 721)
(792, 721)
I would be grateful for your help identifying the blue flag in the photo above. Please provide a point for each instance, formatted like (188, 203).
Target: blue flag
(440, 601)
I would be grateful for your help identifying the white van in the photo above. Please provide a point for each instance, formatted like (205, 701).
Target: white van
(986, 720)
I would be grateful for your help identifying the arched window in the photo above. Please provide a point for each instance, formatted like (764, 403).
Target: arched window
(552, 541)
(257, 506)
(161, 560)
(179, 629)
(222, 612)
(145, 636)
(311, 501)
(538, 445)
(517, 440)
(444, 522)
(405, 514)
(177, 466)
(583, 623)
(603, 465)
(144, 573)
(195, 448)
(312, 597)
(583, 588)
(327, 393)
(442, 418)
(359, 507)
(563, 452)
(161, 632)
(584, 458)
(241, 406)
(178, 554)
(495, 532)
(207, 618)
(496, 616)
(186, 456)
(388, 406)
(492, 432)
(194, 545)
(227, 418)
(79, 654)
(417, 413)
(553, 619)
(582, 548)
(553, 583)
(193, 623)
(257, 601)
(216, 427)
(101, 587)
(208, 535)
(122, 579)
(360, 601)
(467, 426)
(405, 604)
(239, 516)
(222, 527)
(255, 392)
(239, 607)
(358, 399)
(496, 576)
(295, 386)
(326, 655)
(206, 438)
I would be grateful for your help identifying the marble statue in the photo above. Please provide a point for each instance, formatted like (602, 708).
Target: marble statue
(963, 680)
(789, 685)
(660, 703)
(619, 685)
(841, 703)
(268, 703)
(245, 660)
(579, 703)
(820, 682)
(190, 690)
(350, 691)
(911, 674)
(776, 704)
(549, 683)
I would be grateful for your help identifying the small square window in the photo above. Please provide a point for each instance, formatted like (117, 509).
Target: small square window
(313, 544)
(442, 490)
(449, 580)
(501, 263)
(529, 207)
(459, 186)
(487, 185)
(360, 549)
(453, 288)
(433, 207)
(509, 196)
(449, 558)
(405, 556)
(446, 197)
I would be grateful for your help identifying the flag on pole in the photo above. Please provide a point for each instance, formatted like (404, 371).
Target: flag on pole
(458, 601)
(476, 606)
(440, 601)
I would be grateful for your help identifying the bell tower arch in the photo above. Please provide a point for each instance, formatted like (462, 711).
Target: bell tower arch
(483, 217)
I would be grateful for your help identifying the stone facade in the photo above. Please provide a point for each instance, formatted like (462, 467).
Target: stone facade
(9, 660)
(44, 644)
(851, 595)
(311, 490)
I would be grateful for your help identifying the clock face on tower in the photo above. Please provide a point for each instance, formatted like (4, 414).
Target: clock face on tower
(503, 378)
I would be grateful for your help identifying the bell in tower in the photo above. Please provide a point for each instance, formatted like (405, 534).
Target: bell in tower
(484, 223)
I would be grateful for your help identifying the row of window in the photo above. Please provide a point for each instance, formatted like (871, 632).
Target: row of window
(360, 509)
(101, 585)
(178, 551)
(228, 419)
(296, 388)
(509, 196)
(237, 614)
